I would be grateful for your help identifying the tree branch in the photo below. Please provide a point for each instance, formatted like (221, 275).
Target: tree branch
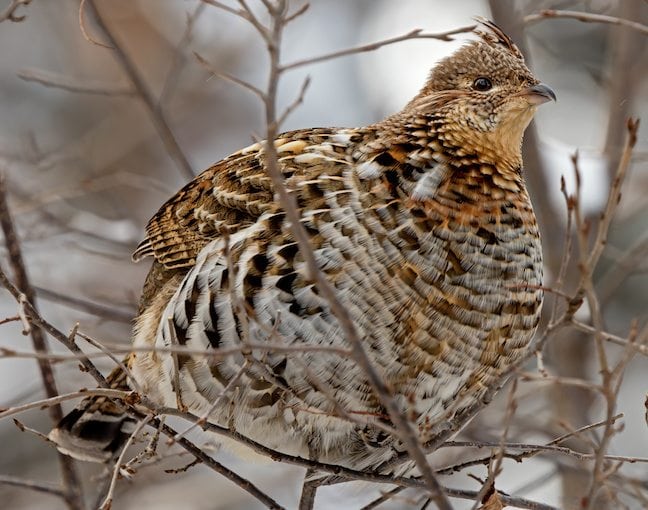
(71, 482)
(10, 12)
(49, 79)
(586, 17)
(154, 109)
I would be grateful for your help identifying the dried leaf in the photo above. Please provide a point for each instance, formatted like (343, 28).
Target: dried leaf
(494, 502)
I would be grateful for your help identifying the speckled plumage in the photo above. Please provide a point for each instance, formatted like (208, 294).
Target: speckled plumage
(421, 222)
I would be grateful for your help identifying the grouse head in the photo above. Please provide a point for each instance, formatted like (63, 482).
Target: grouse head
(482, 98)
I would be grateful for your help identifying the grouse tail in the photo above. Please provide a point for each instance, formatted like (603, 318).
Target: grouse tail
(97, 428)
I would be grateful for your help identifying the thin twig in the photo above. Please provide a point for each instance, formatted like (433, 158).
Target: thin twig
(112, 313)
(176, 365)
(184, 468)
(512, 501)
(179, 349)
(412, 34)
(611, 386)
(495, 463)
(383, 498)
(614, 196)
(38, 320)
(615, 339)
(107, 502)
(6, 320)
(246, 485)
(225, 76)
(296, 103)
(155, 112)
(247, 14)
(288, 201)
(54, 401)
(567, 249)
(559, 379)
(224, 7)
(121, 364)
(530, 450)
(49, 79)
(173, 73)
(24, 428)
(10, 12)
(44, 487)
(586, 17)
(586, 428)
(298, 12)
(70, 478)
(217, 401)
(84, 30)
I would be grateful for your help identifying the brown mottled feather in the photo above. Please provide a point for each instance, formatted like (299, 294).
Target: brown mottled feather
(422, 224)
(226, 197)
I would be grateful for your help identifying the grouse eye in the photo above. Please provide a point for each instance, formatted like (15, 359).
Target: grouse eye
(482, 84)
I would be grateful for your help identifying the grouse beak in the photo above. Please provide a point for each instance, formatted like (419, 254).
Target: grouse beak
(539, 94)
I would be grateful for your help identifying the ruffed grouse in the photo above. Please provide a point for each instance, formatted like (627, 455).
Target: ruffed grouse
(422, 224)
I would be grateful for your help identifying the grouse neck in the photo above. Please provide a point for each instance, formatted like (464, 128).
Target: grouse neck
(455, 144)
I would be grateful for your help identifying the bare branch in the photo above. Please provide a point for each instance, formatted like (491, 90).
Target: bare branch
(55, 401)
(615, 339)
(179, 350)
(413, 34)
(217, 401)
(338, 470)
(117, 469)
(155, 112)
(567, 250)
(614, 195)
(58, 81)
(121, 364)
(84, 30)
(35, 318)
(10, 12)
(71, 482)
(24, 428)
(224, 7)
(45, 487)
(27, 294)
(100, 310)
(288, 201)
(296, 103)
(176, 366)
(298, 12)
(6, 320)
(219, 74)
(174, 70)
(247, 14)
(586, 17)
(218, 467)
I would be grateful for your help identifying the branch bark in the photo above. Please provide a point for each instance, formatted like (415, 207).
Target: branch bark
(71, 482)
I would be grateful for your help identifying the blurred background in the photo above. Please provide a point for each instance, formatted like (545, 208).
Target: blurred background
(87, 165)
